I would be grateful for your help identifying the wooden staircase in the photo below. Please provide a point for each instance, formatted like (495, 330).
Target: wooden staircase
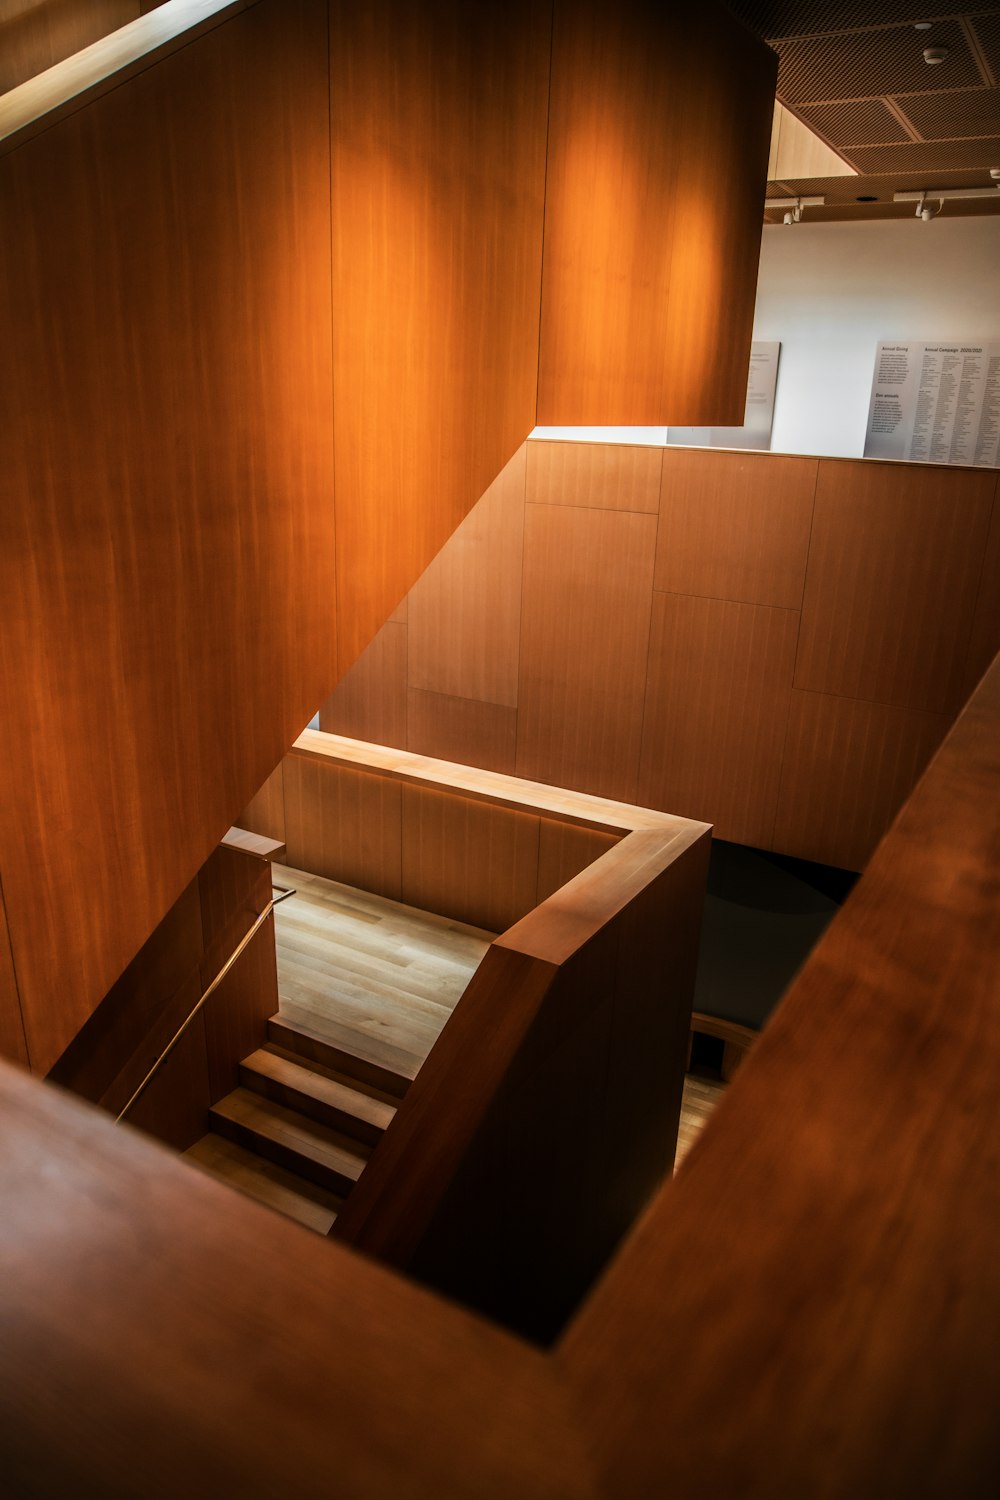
(298, 1132)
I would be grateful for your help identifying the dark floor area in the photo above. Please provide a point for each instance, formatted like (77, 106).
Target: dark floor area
(764, 913)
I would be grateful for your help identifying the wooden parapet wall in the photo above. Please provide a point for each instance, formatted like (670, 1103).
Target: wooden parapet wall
(546, 1113)
(775, 644)
(111, 1055)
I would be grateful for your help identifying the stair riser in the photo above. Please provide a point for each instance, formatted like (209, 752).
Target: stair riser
(284, 1155)
(325, 1114)
(314, 1050)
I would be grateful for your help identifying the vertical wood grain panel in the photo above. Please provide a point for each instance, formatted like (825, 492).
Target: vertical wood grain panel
(894, 561)
(735, 526)
(984, 642)
(174, 1108)
(564, 849)
(654, 984)
(439, 123)
(166, 534)
(848, 768)
(584, 637)
(469, 860)
(370, 701)
(343, 824)
(464, 612)
(658, 139)
(717, 699)
(12, 1043)
(141, 1011)
(233, 888)
(462, 729)
(265, 812)
(38, 33)
(607, 476)
(136, 1020)
(724, 97)
(236, 1016)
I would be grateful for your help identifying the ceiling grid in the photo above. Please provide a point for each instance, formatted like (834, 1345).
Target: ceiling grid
(856, 75)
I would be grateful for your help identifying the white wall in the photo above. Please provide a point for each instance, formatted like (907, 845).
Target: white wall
(830, 292)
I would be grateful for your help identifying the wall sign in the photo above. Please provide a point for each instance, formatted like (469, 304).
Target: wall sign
(936, 402)
(759, 415)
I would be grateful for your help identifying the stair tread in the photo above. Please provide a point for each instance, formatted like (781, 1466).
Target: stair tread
(347, 1095)
(337, 1075)
(293, 1131)
(353, 1060)
(266, 1182)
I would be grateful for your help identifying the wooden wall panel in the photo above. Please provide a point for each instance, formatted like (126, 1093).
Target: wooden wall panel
(439, 128)
(607, 476)
(469, 860)
(166, 532)
(984, 642)
(12, 1043)
(462, 729)
(717, 702)
(658, 141)
(141, 1010)
(847, 769)
(584, 639)
(343, 824)
(735, 526)
(894, 565)
(658, 937)
(235, 1018)
(265, 813)
(36, 34)
(174, 1109)
(564, 849)
(732, 527)
(464, 613)
(110, 1056)
(370, 701)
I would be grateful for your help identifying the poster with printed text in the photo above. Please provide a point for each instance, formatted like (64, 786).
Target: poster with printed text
(936, 402)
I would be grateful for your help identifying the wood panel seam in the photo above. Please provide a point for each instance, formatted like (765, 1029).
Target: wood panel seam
(545, 199)
(13, 973)
(795, 657)
(649, 633)
(611, 510)
(333, 350)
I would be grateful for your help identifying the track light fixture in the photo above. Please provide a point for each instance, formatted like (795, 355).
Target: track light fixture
(793, 207)
(926, 213)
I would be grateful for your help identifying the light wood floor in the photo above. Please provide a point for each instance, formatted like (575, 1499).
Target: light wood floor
(368, 975)
(701, 1095)
(379, 979)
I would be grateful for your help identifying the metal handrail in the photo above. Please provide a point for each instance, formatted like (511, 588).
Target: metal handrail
(283, 894)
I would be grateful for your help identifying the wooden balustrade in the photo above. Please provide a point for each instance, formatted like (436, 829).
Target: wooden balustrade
(546, 1113)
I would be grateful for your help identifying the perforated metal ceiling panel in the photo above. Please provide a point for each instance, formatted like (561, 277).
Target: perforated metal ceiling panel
(986, 30)
(975, 112)
(930, 156)
(855, 73)
(775, 19)
(861, 64)
(860, 122)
